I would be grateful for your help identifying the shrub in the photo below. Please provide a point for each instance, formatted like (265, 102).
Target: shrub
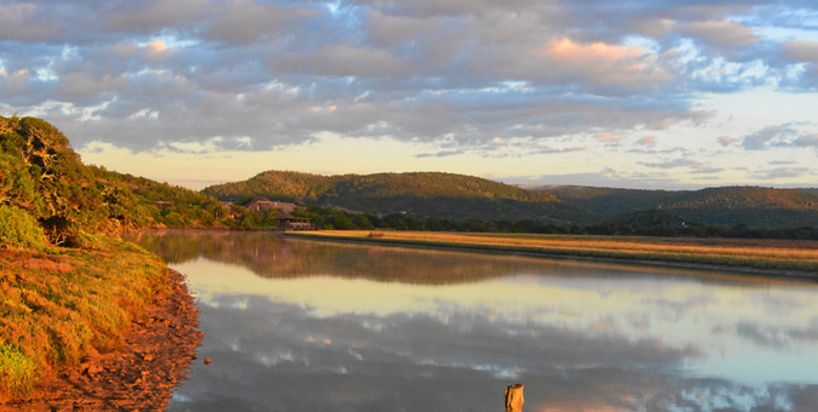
(18, 229)
(17, 371)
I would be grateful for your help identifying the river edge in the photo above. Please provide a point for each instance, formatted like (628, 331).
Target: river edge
(780, 274)
(158, 351)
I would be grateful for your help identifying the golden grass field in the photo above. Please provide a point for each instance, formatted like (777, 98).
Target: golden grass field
(748, 254)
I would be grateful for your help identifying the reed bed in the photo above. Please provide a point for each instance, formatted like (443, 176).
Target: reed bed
(736, 254)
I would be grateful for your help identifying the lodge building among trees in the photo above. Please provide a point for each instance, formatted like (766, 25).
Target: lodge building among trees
(284, 210)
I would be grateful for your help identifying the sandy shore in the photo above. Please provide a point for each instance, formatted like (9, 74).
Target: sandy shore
(156, 355)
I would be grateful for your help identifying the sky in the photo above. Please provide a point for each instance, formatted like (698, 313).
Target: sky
(653, 94)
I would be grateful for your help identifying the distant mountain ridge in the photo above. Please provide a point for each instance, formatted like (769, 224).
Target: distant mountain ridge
(751, 206)
(461, 197)
(419, 194)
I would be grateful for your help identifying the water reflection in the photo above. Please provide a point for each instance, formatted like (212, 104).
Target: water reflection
(308, 326)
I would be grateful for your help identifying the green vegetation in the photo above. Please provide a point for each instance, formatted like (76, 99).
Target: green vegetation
(55, 305)
(753, 208)
(64, 286)
(295, 186)
(420, 195)
(443, 201)
(163, 205)
(18, 230)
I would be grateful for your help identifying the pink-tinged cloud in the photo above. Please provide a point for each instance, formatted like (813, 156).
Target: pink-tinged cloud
(568, 50)
(801, 50)
(600, 63)
(609, 138)
(722, 32)
(726, 141)
(647, 140)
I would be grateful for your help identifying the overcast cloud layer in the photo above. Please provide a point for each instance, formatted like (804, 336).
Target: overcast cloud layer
(489, 78)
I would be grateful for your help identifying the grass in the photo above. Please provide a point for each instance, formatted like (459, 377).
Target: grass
(733, 254)
(57, 303)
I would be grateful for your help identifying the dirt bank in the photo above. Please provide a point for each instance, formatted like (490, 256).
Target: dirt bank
(157, 352)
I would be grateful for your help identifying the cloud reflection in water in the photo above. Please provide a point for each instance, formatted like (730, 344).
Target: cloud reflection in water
(587, 337)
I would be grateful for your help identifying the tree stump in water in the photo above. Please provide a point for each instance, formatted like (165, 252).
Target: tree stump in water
(514, 398)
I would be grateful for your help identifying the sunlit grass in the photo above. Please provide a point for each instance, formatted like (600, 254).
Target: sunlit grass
(733, 253)
(56, 304)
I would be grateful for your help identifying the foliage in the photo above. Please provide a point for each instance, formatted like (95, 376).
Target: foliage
(56, 302)
(17, 371)
(421, 195)
(42, 175)
(295, 186)
(54, 306)
(165, 205)
(19, 230)
(756, 208)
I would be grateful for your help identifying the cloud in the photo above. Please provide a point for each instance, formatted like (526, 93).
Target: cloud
(801, 50)
(245, 21)
(609, 138)
(600, 63)
(778, 136)
(782, 173)
(670, 164)
(550, 75)
(721, 33)
(442, 153)
(810, 140)
(24, 22)
(347, 60)
(761, 139)
(726, 141)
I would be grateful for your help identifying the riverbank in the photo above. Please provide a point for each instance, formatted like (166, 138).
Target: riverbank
(774, 258)
(140, 375)
(95, 330)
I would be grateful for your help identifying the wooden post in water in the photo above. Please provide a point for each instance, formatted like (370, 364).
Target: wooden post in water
(514, 398)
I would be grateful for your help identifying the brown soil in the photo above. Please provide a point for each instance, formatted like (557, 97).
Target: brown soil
(156, 354)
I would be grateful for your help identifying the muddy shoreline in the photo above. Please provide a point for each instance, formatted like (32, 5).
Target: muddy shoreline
(156, 355)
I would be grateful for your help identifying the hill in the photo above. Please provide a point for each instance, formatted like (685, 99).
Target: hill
(749, 206)
(420, 195)
(66, 287)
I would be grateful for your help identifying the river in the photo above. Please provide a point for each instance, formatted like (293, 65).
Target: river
(298, 325)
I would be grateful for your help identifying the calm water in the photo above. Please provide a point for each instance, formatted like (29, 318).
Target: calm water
(296, 325)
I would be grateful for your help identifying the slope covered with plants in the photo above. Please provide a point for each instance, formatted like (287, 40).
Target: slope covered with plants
(66, 287)
(421, 195)
(747, 206)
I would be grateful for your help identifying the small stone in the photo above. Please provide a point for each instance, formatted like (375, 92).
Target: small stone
(93, 369)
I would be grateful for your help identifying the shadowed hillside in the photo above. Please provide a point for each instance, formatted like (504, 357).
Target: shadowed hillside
(750, 206)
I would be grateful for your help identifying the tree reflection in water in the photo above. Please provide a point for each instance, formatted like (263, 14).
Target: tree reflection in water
(298, 325)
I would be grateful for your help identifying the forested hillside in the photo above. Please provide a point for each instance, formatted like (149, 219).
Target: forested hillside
(421, 195)
(42, 177)
(750, 206)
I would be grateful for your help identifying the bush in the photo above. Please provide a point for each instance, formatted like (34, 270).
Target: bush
(18, 229)
(17, 371)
